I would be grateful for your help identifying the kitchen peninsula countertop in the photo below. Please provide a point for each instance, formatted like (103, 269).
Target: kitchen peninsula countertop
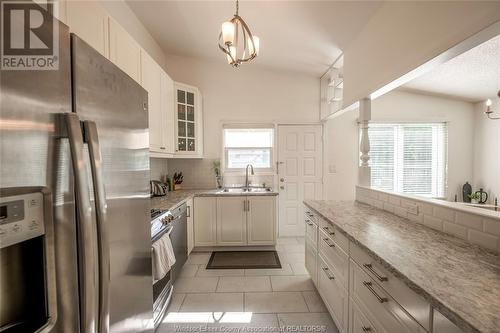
(175, 198)
(459, 279)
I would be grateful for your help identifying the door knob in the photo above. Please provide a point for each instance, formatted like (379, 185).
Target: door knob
(282, 187)
(282, 180)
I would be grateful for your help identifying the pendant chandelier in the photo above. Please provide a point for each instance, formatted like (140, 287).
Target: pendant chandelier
(237, 42)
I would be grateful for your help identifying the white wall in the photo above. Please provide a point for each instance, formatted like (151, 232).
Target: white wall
(403, 35)
(342, 134)
(486, 164)
(248, 94)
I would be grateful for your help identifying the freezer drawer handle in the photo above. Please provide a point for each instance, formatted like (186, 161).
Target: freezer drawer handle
(87, 233)
(369, 286)
(92, 139)
(326, 270)
(327, 242)
(377, 275)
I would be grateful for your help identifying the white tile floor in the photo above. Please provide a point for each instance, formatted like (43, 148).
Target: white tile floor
(255, 300)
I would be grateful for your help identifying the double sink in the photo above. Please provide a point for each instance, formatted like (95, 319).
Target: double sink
(245, 190)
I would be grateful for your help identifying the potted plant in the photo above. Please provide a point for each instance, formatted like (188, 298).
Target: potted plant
(218, 176)
(474, 197)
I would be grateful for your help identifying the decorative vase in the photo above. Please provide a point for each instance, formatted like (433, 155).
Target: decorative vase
(219, 181)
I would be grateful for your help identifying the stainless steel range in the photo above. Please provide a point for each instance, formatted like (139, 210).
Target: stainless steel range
(173, 223)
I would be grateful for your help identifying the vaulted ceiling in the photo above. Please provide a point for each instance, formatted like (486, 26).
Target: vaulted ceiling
(303, 36)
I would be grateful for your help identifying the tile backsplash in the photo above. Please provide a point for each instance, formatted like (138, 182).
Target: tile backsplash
(475, 225)
(159, 168)
(199, 174)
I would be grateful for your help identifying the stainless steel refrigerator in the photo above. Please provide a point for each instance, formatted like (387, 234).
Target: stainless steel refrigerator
(77, 138)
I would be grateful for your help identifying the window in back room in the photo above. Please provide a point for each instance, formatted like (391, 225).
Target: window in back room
(409, 157)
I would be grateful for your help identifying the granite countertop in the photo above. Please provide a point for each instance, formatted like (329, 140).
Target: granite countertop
(175, 198)
(459, 279)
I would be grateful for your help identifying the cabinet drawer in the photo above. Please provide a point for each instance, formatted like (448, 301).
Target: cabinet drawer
(358, 323)
(334, 234)
(335, 257)
(414, 304)
(311, 232)
(311, 261)
(335, 296)
(308, 214)
(387, 314)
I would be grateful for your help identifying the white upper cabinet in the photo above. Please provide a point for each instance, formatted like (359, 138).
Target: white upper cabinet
(89, 21)
(189, 121)
(124, 50)
(168, 110)
(160, 88)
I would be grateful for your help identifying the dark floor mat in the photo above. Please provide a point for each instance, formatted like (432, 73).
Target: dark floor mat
(243, 259)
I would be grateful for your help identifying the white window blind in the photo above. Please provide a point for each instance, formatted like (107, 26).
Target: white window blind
(409, 157)
(244, 146)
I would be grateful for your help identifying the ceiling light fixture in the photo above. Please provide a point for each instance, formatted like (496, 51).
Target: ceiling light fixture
(230, 43)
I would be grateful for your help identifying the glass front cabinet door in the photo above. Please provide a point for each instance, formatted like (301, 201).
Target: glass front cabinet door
(189, 121)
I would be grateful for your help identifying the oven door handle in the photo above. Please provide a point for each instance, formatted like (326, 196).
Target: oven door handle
(159, 235)
(87, 233)
(92, 139)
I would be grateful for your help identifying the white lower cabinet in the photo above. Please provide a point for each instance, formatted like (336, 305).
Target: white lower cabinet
(231, 221)
(360, 295)
(334, 295)
(358, 323)
(190, 226)
(205, 219)
(235, 220)
(261, 220)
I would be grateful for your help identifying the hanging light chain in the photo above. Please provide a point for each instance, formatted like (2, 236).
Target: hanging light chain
(237, 7)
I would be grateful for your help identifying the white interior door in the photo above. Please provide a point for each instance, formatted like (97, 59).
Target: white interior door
(300, 170)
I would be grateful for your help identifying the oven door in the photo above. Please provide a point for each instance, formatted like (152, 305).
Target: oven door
(162, 289)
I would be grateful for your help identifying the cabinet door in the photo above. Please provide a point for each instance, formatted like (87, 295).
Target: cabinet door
(89, 21)
(151, 81)
(190, 226)
(261, 220)
(358, 323)
(167, 106)
(311, 261)
(231, 221)
(189, 121)
(124, 51)
(441, 324)
(335, 296)
(205, 217)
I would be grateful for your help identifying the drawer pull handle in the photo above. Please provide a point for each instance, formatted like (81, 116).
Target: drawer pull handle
(368, 285)
(328, 230)
(309, 224)
(326, 270)
(377, 275)
(327, 242)
(366, 329)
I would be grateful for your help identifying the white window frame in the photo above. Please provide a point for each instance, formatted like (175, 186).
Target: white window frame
(260, 171)
(399, 156)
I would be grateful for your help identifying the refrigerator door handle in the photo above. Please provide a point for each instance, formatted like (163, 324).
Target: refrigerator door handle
(92, 139)
(87, 233)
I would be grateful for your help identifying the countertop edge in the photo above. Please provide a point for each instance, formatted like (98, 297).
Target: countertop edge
(436, 303)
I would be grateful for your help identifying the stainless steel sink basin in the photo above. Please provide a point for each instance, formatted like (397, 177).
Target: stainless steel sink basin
(245, 190)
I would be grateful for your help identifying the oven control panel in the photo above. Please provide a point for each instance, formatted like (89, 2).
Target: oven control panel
(21, 218)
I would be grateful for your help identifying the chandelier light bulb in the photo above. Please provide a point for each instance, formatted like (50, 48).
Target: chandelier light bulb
(488, 102)
(228, 29)
(231, 57)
